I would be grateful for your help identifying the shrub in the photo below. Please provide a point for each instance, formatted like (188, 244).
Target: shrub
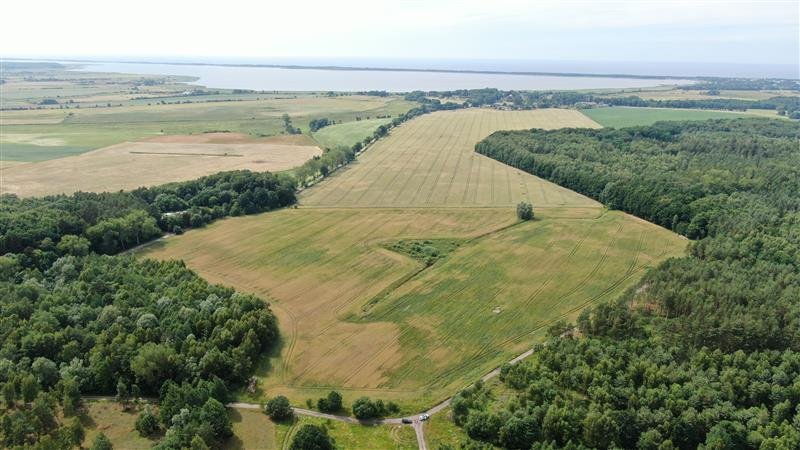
(146, 423)
(524, 211)
(278, 408)
(312, 437)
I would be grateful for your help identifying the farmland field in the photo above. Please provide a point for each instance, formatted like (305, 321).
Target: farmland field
(623, 116)
(430, 161)
(36, 135)
(347, 133)
(157, 161)
(366, 320)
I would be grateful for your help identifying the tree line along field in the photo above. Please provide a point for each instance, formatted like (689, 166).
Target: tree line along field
(430, 162)
(624, 116)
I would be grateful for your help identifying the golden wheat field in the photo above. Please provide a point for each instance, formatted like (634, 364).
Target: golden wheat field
(430, 162)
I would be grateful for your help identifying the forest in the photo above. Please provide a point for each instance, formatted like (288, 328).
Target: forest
(113, 325)
(705, 351)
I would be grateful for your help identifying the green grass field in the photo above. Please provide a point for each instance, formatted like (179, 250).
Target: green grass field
(431, 161)
(347, 133)
(623, 116)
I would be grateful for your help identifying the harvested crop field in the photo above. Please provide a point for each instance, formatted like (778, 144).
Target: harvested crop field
(430, 161)
(160, 160)
(360, 318)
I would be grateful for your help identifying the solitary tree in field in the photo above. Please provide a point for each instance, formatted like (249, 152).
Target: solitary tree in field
(524, 211)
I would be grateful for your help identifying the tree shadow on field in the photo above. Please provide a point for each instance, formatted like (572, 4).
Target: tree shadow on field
(264, 364)
(234, 442)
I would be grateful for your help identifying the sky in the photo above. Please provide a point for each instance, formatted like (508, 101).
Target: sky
(715, 31)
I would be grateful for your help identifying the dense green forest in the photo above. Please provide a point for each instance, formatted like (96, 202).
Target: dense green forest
(705, 351)
(114, 325)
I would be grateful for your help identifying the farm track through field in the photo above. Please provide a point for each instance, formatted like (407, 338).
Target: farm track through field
(439, 146)
(476, 360)
(450, 150)
(442, 340)
(384, 156)
(439, 154)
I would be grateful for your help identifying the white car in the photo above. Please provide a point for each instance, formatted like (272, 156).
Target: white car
(424, 417)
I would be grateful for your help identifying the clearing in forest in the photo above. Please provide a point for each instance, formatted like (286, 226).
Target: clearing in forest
(431, 162)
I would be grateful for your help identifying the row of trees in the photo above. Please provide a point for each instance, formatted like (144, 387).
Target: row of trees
(44, 228)
(288, 126)
(705, 351)
(744, 84)
(785, 105)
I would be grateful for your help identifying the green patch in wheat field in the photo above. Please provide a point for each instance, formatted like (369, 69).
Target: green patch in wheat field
(427, 251)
